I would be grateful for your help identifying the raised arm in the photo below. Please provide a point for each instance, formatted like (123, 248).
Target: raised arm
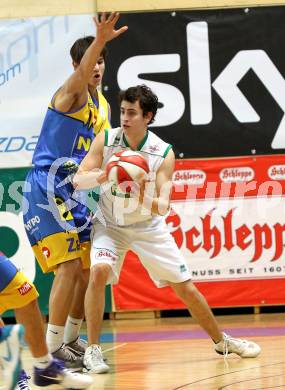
(73, 93)
(90, 174)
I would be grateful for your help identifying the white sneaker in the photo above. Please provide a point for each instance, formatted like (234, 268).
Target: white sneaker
(243, 348)
(93, 360)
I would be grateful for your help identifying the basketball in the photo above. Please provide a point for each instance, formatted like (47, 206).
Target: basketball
(126, 167)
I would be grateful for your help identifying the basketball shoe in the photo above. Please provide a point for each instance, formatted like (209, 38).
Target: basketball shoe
(71, 360)
(23, 382)
(77, 347)
(243, 348)
(57, 374)
(93, 360)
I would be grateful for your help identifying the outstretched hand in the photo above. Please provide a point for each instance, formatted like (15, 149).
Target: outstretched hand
(106, 27)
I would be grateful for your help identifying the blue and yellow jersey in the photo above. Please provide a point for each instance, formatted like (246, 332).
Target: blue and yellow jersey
(70, 134)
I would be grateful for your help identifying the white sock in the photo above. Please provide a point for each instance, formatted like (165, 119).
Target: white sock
(43, 361)
(54, 337)
(72, 329)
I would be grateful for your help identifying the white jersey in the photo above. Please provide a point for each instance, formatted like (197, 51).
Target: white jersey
(116, 208)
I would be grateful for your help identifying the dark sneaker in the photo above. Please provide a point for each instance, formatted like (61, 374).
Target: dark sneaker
(70, 359)
(57, 374)
(78, 346)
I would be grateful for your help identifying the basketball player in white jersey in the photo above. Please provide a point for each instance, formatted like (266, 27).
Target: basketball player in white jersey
(139, 224)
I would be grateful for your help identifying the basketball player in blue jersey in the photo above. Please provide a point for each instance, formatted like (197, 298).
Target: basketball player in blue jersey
(18, 293)
(60, 237)
(140, 228)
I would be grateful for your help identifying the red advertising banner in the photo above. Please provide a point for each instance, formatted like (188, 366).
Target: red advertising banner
(227, 219)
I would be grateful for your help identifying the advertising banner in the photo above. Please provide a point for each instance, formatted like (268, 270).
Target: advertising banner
(219, 76)
(227, 218)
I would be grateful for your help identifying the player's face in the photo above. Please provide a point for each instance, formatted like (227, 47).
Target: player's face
(98, 72)
(131, 116)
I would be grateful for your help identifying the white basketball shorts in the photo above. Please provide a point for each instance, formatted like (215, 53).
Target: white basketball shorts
(150, 240)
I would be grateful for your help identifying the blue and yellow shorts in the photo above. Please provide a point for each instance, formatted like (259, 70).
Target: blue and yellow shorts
(56, 234)
(16, 290)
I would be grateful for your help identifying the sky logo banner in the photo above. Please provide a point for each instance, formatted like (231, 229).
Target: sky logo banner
(219, 77)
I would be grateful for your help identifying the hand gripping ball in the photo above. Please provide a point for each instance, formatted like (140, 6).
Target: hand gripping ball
(127, 167)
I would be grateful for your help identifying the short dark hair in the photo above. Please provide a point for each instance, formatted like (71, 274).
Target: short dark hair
(80, 46)
(147, 99)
